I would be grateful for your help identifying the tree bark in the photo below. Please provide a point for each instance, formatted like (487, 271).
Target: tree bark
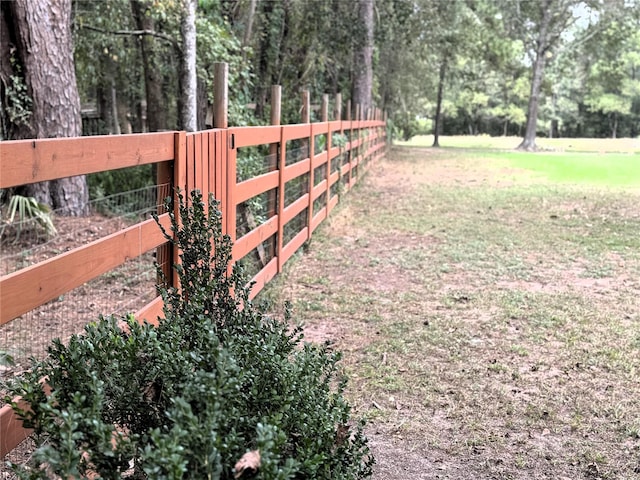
(188, 76)
(45, 51)
(249, 25)
(9, 74)
(438, 120)
(529, 140)
(157, 116)
(363, 78)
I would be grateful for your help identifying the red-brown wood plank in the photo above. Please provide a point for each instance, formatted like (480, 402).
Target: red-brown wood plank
(255, 186)
(335, 126)
(333, 201)
(295, 132)
(13, 432)
(211, 162)
(319, 190)
(26, 289)
(151, 312)
(319, 128)
(320, 159)
(295, 243)
(29, 161)
(295, 208)
(250, 136)
(318, 218)
(263, 277)
(190, 164)
(256, 236)
(296, 169)
(198, 165)
(229, 208)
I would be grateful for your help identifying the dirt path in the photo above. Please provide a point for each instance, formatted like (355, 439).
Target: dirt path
(489, 322)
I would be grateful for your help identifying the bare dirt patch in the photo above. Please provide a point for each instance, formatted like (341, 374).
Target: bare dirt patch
(487, 333)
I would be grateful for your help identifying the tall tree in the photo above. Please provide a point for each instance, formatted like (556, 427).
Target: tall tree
(448, 40)
(540, 25)
(188, 77)
(40, 33)
(363, 75)
(614, 80)
(152, 62)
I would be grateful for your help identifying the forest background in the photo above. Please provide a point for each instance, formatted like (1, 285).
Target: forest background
(500, 67)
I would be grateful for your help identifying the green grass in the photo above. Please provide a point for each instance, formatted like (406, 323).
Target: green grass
(610, 169)
(597, 145)
(601, 162)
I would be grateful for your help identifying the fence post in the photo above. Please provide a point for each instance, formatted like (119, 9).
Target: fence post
(325, 108)
(221, 120)
(272, 195)
(337, 112)
(306, 118)
(180, 183)
(164, 189)
(327, 173)
(220, 95)
(350, 137)
(354, 161)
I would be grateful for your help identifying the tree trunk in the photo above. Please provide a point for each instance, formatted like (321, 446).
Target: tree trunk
(265, 56)
(106, 94)
(363, 78)
(12, 73)
(122, 111)
(45, 51)
(188, 76)
(249, 25)
(505, 128)
(529, 140)
(157, 116)
(554, 128)
(438, 120)
(614, 127)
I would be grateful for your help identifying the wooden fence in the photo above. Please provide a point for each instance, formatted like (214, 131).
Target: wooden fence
(206, 161)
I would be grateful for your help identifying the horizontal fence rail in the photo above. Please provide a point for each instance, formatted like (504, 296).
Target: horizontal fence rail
(308, 167)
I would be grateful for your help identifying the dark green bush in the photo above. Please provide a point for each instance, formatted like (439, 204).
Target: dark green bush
(216, 379)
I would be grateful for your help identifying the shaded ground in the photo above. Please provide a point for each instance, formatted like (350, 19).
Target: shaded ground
(119, 291)
(489, 321)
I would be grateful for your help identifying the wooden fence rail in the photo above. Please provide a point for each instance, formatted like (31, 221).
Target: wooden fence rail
(204, 160)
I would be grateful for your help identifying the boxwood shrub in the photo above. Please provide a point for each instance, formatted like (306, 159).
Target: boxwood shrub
(217, 379)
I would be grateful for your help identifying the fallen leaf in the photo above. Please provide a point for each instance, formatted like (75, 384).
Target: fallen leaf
(250, 461)
(342, 433)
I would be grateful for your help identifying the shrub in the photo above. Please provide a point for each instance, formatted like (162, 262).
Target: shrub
(217, 379)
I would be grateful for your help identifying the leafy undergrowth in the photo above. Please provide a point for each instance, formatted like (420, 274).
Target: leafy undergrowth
(490, 320)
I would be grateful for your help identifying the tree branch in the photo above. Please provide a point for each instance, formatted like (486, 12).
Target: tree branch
(136, 33)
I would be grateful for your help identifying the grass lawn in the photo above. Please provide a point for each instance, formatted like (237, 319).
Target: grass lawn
(609, 169)
(596, 145)
(488, 307)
